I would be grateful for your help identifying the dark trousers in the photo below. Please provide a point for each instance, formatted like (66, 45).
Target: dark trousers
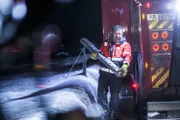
(109, 80)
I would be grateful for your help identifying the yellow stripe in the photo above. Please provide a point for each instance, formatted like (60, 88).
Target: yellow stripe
(166, 85)
(158, 72)
(160, 81)
(163, 24)
(171, 26)
(153, 24)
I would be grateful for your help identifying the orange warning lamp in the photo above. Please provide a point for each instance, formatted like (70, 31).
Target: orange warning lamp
(143, 16)
(155, 47)
(164, 34)
(155, 35)
(165, 46)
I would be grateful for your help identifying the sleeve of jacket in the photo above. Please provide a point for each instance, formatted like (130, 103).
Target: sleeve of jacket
(127, 53)
(103, 45)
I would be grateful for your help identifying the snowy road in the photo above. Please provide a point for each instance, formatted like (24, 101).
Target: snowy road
(41, 96)
(59, 100)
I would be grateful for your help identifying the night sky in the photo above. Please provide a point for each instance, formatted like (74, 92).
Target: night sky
(82, 18)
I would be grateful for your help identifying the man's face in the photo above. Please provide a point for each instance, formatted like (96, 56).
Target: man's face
(117, 35)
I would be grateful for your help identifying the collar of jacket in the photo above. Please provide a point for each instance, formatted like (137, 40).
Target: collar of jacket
(120, 42)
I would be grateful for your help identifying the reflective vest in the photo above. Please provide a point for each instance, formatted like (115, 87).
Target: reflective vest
(121, 50)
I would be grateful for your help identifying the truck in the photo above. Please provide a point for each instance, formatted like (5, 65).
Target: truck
(152, 29)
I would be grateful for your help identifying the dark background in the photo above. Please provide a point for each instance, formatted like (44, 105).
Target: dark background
(81, 18)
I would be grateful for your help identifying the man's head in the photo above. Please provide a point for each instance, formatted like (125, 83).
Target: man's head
(117, 33)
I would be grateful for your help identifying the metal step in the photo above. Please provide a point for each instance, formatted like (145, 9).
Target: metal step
(163, 106)
(164, 119)
(164, 94)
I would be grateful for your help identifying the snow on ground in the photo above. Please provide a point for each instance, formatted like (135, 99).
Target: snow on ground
(59, 100)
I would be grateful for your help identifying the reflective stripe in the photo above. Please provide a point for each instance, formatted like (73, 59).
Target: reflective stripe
(110, 71)
(116, 59)
(127, 53)
(106, 69)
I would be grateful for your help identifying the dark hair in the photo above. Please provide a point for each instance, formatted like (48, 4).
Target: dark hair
(117, 27)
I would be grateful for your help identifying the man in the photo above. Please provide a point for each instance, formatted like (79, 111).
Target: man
(119, 51)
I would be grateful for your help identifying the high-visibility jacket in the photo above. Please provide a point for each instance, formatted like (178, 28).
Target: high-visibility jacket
(117, 51)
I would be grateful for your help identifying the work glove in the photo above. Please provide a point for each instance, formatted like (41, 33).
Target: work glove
(124, 69)
(94, 55)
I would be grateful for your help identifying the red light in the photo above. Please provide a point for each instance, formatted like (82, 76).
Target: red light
(135, 85)
(165, 47)
(155, 47)
(164, 35)
(148, 5)
(155, 35)
(117, 45)
(15, 51)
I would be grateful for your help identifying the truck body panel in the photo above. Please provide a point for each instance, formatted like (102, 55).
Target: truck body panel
(149, 28)
(116, 12)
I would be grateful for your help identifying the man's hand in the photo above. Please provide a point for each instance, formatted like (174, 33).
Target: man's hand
(94, 55)
(124, 69)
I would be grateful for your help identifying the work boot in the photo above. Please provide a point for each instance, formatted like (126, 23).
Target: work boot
(112, 115)
(105, 115)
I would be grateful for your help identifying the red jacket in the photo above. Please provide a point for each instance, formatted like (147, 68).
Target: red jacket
(119, 50)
